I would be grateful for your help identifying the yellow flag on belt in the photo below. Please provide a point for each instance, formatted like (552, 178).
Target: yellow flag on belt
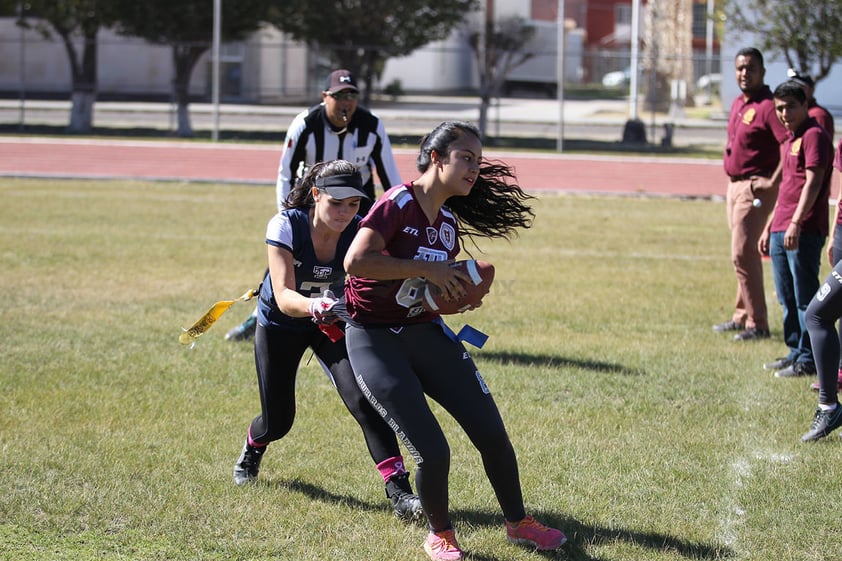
(206, 321)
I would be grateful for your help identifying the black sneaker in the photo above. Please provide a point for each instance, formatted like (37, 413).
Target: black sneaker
(248, 464)
(244, 331)
(729, 325)
(751, 334)
(778, 364)
(823, 423)
(797, 369)
(406, 504)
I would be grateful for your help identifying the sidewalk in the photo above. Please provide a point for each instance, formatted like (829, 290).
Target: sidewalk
(408, 115)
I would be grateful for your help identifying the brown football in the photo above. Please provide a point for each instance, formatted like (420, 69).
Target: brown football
(482, 275)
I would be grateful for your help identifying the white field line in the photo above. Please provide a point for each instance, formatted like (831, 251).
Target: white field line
(733, 513)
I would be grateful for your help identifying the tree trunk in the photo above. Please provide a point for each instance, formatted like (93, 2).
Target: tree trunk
(484, 104)
(182, 99)
(184, 60)
(84, 75)
(81, 111)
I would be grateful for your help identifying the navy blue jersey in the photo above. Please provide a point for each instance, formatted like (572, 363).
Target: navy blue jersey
(290, 230)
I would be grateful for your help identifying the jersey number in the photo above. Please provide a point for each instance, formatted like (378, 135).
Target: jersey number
(410, 292)
(315, 288)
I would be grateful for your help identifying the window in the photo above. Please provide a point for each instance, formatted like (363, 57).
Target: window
(622, 20)
(700, 20)
(622, 14)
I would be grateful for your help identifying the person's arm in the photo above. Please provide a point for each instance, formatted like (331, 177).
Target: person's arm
(384, 159)
(290, 158)
(773, 183)
(365, 258)
(808, 198)
(763, 241)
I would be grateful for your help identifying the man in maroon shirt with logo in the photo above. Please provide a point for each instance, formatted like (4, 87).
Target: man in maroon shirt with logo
(799, 226)
(751, 161)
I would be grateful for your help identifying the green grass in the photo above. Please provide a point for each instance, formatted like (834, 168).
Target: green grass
(640, 432)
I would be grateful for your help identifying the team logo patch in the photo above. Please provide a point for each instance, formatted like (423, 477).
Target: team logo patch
(482, 385)
(749, 115)
(432, 235)
(796, 147)
(448, 236)
(823, 292)
(322, 273)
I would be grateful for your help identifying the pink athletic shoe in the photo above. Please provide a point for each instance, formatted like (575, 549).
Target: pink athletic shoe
(442, 546)
(531, 532)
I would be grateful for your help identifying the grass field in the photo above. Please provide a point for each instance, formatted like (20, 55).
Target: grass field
(640, 432)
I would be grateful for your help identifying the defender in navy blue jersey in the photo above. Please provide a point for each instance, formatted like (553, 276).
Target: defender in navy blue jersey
(335, 129)
(306, 246)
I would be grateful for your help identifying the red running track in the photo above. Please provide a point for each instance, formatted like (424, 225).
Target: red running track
(188, 161)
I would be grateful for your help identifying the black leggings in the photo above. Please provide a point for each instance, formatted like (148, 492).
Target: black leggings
(277, 353)
(821, 315)
(395, 368)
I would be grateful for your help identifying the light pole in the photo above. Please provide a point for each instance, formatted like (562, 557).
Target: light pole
(22, 71)
(709, 51)
(635, 56)
(560, 74)
(217, 39)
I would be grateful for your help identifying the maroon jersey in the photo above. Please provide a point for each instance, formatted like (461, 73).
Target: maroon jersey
(809, 147)
(398, 218)
(754, 136)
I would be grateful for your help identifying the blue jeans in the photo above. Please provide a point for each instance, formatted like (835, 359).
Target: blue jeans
(796, 274)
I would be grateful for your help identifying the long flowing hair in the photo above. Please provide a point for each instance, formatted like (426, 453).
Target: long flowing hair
(496, 205)
(301, 196)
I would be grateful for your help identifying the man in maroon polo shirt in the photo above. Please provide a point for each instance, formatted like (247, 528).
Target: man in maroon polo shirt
(751, 161)
(798, 230)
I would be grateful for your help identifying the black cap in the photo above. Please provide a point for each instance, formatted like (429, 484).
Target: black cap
(803, 79)
(340, 80)
(342, 186)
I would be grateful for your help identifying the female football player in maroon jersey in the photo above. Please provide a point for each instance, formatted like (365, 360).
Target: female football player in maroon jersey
(399, 351)
(306, 245)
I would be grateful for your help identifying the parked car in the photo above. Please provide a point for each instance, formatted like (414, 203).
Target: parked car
(712, 80)
(617, 79)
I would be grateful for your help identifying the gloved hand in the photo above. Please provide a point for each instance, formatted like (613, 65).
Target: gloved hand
(321, 309)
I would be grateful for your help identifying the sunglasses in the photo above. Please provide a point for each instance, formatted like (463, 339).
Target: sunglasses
(345, 96)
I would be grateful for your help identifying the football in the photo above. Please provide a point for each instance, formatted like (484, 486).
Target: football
(482, 275)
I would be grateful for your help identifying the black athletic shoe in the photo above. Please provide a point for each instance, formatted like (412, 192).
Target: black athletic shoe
(726, 326)
(823, 423)
(778, 364)
(406, 504)
(752, 334)
(797, 369)
(248, 464)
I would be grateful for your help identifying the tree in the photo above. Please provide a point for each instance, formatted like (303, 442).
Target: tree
(362, 34)
(187, 25)
(498, 50)
(805, 32)
(77, 23)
